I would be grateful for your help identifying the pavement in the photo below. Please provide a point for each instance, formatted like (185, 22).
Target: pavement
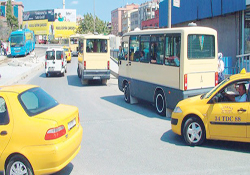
(12, 70)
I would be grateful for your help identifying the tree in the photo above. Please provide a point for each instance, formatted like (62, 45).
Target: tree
(11, 19)
(87, 25)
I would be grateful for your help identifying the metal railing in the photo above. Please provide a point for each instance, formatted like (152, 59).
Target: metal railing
(243, 61)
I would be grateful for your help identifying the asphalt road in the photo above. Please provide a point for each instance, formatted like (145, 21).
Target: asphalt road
(124, 139)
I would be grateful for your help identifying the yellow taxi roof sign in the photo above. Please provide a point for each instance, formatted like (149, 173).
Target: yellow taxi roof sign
(243, 71)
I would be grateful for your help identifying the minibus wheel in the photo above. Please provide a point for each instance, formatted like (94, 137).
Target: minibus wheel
(78, 72)
(194, 131)
(127, 93)
(160, 104)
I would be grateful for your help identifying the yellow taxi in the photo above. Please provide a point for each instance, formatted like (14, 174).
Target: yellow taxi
(67, 53)
(221, 114)
(37, 134)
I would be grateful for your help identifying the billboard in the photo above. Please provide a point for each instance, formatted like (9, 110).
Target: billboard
(39, 15)
(40, 27)
(65, 15)
(63, 29)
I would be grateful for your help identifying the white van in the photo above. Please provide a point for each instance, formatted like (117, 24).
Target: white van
(55, 62)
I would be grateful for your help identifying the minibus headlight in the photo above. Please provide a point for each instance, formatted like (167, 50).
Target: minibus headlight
(177, 109)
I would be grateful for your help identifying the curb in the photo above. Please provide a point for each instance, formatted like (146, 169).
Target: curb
(23, 75)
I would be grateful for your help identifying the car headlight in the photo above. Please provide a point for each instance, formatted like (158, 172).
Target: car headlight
(177, 109)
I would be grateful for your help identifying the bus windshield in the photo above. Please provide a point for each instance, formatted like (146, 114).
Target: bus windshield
(73, 40)
(17, 41)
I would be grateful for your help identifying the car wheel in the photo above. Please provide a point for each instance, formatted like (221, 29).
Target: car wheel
(63, 74)
(127, 93)
(160, 103)
(66, 70)
(194, 132)
(18, 165)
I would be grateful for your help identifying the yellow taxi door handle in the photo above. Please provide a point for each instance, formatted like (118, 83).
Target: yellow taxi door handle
(242, 110)
(3, 133)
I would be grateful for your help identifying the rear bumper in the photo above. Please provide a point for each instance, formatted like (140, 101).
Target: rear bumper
(49, 159)
(96, 74)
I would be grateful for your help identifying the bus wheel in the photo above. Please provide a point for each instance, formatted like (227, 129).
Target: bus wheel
(194, 132)
(84, 82)
(160, 104)
(127, 93)
(78, 73)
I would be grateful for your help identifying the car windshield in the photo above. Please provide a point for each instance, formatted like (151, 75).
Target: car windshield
(16, 41)
(36, 101)
(207, 95)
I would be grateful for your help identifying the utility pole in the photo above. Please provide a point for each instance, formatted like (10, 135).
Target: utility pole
(94, 16)
(169, 13)
(63, 4)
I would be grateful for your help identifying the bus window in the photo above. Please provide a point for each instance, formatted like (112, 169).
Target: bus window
(157, 49)
(134, 54)
(80, 46)
(201, 46)
(96, 46)
(145, 42)
(172, 51)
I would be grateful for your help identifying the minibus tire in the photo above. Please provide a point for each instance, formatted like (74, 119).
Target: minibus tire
(19, 161)
(78, 73)
(160, 103)
(199, 127)
(127, 93)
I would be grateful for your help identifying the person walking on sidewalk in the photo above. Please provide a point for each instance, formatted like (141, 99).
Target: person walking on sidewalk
(1, 45)
(221, 67)
(5, 48)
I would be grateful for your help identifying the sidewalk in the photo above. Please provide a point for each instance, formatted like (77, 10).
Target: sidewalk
(13, 70)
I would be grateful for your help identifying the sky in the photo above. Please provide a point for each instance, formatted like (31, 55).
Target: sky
(103, 8)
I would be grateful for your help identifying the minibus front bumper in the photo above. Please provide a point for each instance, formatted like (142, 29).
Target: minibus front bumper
(96, 74)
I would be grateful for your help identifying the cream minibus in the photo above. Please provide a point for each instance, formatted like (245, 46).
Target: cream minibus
(93, 58)
(164, 66)
(73, 44)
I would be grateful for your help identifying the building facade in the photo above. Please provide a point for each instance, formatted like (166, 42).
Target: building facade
(230, 19)
(116, 18)
(18, 8)
(127, 20)
(147, 11)
(134, 18)
(151, 23)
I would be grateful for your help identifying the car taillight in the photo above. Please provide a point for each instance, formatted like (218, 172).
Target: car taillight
(78, 118)
(185, 82)
(108, 65)
(62, 63)
(216, 78)
(46, 57)
(62, 56)
(55, 133)
(69, 54)
(84, 64)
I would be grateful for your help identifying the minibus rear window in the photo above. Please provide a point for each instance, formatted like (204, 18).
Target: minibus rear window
(201, 46)
(50, 55)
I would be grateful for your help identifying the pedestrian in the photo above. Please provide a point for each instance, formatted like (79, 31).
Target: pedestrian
(221, 67)
(5, 48)
(1, 45)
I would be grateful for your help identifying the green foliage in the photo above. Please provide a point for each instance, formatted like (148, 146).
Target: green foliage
(11, 19)
(87, 25)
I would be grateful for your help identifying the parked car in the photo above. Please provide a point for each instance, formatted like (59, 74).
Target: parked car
(55, 62)
(37, 134)
(42, 41)
(67, 53)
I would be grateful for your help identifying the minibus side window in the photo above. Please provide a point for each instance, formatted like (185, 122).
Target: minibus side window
(172, 50)
(157, 49)
(134, 52)
(144, 48)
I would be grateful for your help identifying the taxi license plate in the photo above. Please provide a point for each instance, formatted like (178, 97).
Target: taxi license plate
(96, 78)
(71, 124)
(51, 68)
